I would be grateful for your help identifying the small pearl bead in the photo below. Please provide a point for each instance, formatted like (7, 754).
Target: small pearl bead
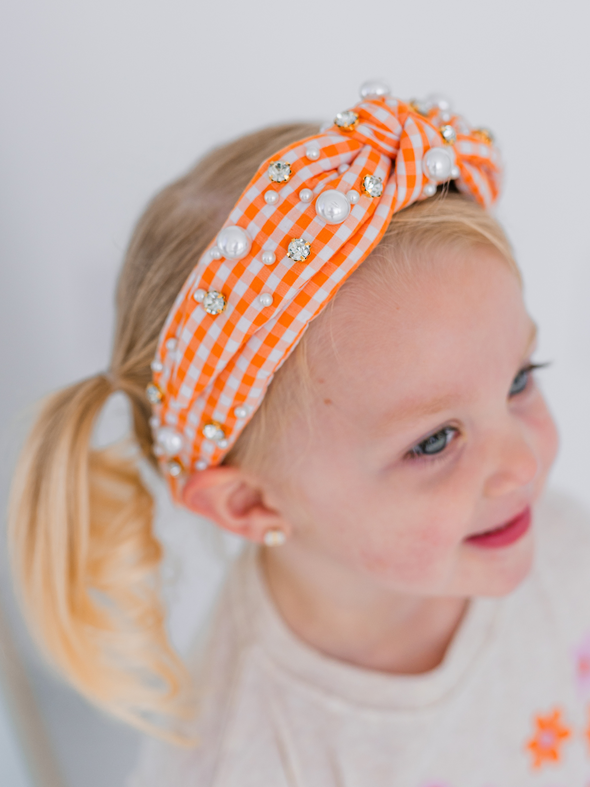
(429, 190)
(201, 464)
(374, 88)
(241, 411)
(343, 168)
(154, 422)
(455, 173)
(353, 197)
(199, 295)
(174, 469)
(214, 253)
(265, 300)
(440, 102)
(269, 257)
(222, 443)
(271, 197)
(306, 195)
(171, 344)
(156, 366)
(312, 153)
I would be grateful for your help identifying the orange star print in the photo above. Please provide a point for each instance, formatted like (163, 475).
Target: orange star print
(546, 743)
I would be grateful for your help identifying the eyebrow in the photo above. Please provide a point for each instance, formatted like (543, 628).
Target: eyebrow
(434, 406)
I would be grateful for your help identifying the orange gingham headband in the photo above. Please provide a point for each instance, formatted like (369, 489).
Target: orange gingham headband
(309, 217)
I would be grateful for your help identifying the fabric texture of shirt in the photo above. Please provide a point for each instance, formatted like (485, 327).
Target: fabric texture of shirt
(509, 705)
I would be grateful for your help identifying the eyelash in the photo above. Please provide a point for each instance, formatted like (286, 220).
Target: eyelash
(448, 431)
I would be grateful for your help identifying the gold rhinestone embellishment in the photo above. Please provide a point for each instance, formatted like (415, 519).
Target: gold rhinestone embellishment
(279, 171)
(448, 134)
(372, 186)
(153, 393)
(347, 121)
(483, 134)
(214, 302)
(299, 250)
(214, 431)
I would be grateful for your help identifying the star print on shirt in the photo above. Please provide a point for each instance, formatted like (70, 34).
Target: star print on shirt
(550, 734)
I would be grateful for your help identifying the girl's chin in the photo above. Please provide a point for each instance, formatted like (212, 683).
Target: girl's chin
(501, 571)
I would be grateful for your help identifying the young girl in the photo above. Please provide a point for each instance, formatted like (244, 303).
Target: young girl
(341, 373)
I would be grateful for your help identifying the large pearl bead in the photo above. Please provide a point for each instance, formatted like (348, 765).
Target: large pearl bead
(374, 88)
(168, 441)
(234, 243)
(438, 164)
(332, 206)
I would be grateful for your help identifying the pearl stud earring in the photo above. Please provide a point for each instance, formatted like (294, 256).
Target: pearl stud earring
(274, 537)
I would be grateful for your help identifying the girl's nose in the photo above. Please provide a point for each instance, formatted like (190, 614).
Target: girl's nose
(515, 466)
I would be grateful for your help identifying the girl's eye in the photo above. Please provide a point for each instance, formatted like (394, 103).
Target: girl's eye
(435, 444)
(521, 381)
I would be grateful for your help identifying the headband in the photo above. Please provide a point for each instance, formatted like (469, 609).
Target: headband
(308, 218)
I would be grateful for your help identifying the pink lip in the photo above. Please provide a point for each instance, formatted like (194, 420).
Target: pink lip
(505, 534)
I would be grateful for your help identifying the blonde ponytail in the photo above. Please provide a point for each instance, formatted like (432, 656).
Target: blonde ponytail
(85, 557)
(83, 547)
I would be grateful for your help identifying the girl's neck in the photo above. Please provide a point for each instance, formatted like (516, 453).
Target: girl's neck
(348, 618)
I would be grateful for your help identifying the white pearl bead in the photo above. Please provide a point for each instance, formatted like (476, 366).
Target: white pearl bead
(156, 366)
(169, 441)
(353, 196)
(265, 300)
(374, 88)
(343, 168)
(234, 243)
(269, 257)
(174, 469)
(312, 153)
(332, 206)
(241, 411)
(201, 464)
(154, 422)
(455, 173)
(438, 164)
(171, 344)
(214, 253)
(441, 102)
(429, 190)
(271, 197)
(199, 295)
(222, 443)
(306, 195)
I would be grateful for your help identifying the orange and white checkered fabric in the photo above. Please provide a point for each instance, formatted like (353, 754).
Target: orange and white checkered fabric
(215, 369)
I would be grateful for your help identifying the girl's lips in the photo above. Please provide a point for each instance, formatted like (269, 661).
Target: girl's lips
(505, 534)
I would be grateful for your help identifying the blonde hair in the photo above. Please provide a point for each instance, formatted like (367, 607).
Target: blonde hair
(85, 556)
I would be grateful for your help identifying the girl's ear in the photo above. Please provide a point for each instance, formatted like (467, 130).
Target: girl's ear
(234, 501)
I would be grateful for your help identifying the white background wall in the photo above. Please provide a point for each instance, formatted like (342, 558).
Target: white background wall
(104, 102)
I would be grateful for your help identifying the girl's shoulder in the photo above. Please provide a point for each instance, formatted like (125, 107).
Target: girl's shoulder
(225, 667)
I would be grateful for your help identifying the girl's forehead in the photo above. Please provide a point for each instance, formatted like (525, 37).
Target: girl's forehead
(461, 321)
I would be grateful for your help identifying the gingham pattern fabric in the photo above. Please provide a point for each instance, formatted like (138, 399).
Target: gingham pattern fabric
(207, 365)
